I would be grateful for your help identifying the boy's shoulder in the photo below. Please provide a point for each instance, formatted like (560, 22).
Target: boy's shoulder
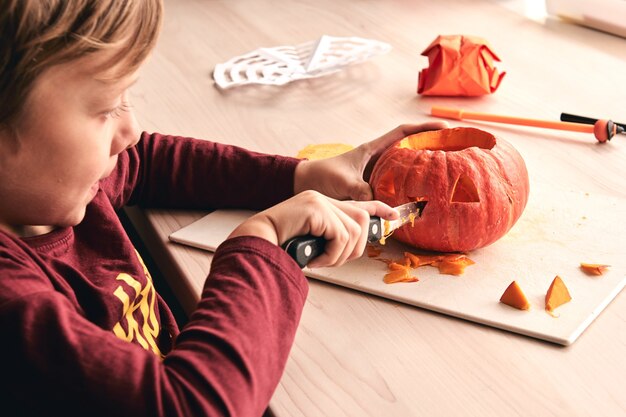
(22, 273)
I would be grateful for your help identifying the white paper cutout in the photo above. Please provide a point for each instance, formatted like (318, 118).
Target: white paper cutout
(282, 64)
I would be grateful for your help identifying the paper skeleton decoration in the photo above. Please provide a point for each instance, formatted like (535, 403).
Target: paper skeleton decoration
(282, 64)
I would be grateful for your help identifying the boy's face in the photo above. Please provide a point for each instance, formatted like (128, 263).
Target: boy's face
(68, 138)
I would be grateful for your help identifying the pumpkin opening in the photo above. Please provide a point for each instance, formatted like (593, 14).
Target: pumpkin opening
(465, 191)
(449, 140)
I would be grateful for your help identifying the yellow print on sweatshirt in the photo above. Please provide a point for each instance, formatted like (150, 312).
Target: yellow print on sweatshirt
(144, 300)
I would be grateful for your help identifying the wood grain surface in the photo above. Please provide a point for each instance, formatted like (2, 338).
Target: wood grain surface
(357, 354)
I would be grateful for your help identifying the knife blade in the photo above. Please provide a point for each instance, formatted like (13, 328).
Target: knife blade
(304, 248)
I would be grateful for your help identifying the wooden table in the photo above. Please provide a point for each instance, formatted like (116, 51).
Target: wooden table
(360, 355)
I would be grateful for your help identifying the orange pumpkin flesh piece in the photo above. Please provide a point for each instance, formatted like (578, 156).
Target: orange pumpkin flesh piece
(413, 259)
(421, 260)
(557, 294)
(386, 232)
(454, 267)
(514, 296)
(402, 274)
(593, 269)
(323, 150)
(399, 270)
(395, 266)
(451, 264)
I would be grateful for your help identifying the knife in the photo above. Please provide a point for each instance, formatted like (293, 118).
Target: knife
(304, 248)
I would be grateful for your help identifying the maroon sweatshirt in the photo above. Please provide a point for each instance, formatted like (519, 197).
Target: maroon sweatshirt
(82, 331)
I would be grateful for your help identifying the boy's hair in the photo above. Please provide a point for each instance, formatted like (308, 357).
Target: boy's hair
(38, 34)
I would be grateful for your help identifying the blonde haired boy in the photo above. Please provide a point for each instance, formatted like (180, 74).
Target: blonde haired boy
(83, 330)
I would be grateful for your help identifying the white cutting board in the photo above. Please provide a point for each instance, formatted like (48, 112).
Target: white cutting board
(556, 232)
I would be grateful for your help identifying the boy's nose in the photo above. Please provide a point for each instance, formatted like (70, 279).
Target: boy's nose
(127, 134)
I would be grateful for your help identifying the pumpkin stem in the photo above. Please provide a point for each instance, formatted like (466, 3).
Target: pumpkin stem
(465, 191)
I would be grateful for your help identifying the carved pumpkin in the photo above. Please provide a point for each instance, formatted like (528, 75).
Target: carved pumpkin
(476, 186)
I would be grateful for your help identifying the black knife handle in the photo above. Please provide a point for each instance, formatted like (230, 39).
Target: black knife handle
(304, 248)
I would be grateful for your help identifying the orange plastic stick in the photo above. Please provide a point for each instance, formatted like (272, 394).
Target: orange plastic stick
(460, 114)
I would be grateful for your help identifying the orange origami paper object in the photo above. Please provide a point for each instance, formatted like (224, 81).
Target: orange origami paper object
(459, 65)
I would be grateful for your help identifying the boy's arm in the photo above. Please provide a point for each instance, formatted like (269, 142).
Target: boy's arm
(227, 360)
(248, 326)
(178, 172)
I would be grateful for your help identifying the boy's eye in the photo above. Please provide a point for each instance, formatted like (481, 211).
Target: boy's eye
(117, 111)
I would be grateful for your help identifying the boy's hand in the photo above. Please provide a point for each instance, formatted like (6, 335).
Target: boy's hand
(346, 176)
(344, 224)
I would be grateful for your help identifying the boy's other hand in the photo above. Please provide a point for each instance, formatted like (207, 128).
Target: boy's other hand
(346, 176)
(344, 224)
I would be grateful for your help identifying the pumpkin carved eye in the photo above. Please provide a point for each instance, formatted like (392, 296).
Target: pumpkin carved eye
(464, 191)
(471, 180)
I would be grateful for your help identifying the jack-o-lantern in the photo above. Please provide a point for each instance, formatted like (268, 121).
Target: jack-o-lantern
(476, 186)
